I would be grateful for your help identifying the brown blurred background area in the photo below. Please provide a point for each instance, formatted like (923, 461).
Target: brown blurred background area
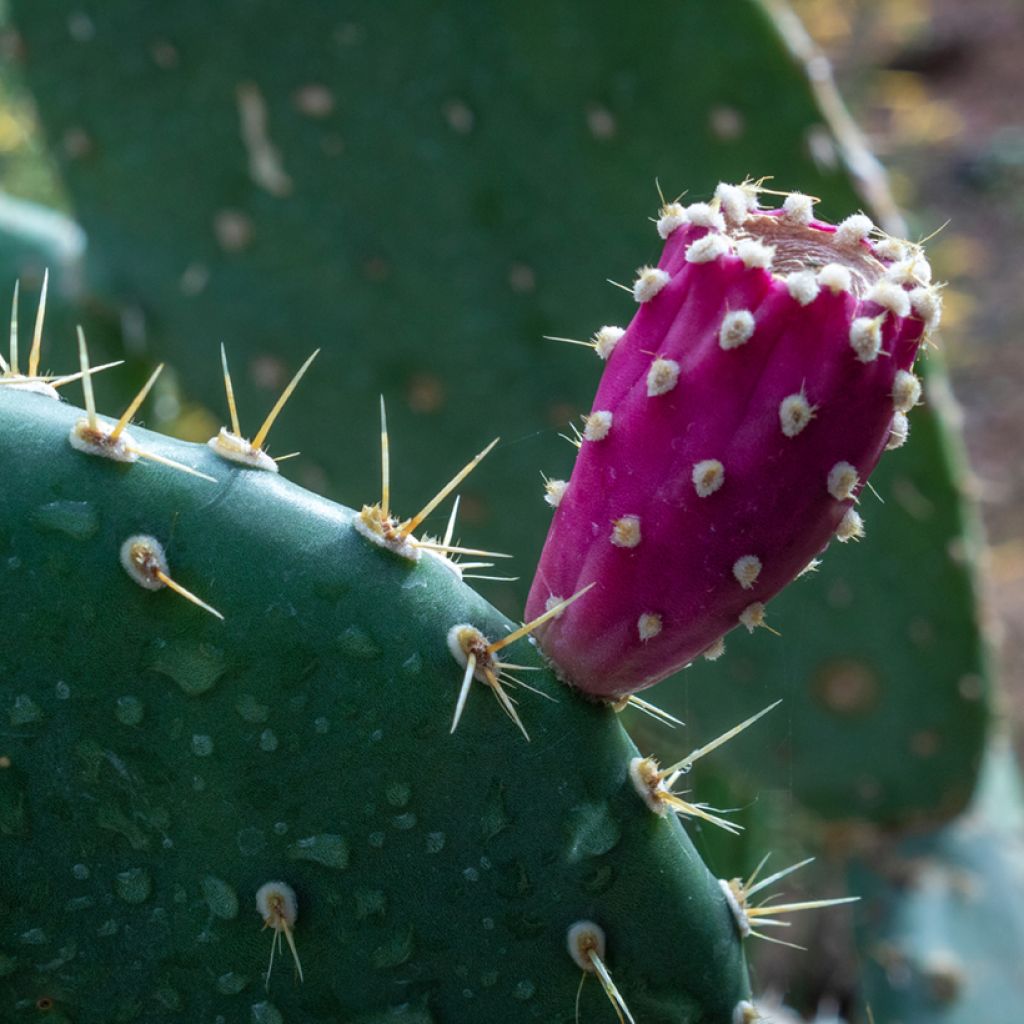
(938, 88)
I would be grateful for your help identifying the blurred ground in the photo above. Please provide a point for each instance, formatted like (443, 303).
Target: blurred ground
(938, 87)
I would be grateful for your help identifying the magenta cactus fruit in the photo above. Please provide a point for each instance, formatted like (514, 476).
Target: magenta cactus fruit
(737, 419)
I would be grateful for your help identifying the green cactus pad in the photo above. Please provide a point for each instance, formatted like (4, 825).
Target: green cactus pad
(158, 766)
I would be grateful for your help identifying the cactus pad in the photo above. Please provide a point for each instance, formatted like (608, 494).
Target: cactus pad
(181, 794)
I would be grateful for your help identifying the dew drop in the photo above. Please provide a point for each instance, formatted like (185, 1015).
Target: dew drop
(268, 740)
(202, 746)
(376, 839)
(398, 794)
(231, 984)
(435, 842)
(129, 710)
(266, 1013)
(62, 690)
(25, 710)
(370, 902)
(251, 709)
(327, 849)
(404, 822)
(524, 990)
(396, 950)
(80, 871)
(34, 937)
(495, 817)
(591, 830)
(168, 997)
(251, 841)
(75, 519)
(194, 667)
(158, 818)
(357, 643)
(322, 725)
(134, 885)
(220, 898)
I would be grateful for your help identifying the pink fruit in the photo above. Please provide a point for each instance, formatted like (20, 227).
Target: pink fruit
(765, 372)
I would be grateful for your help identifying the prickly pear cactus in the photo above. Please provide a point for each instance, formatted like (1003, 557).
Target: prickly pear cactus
(227, 734)
(462, 224)
(310, 216)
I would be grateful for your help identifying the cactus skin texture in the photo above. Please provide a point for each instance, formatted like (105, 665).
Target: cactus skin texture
(159, 766)
(736, 421)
